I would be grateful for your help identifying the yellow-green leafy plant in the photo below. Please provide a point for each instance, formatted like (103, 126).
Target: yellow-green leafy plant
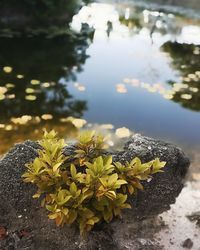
(85, 187)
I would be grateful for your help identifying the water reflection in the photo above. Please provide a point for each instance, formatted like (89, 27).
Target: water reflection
(129, 68)
(30, 17)
(31, 92)
(142, 62)
(185, 59)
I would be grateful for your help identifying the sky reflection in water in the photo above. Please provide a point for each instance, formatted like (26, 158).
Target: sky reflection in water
(132, 75)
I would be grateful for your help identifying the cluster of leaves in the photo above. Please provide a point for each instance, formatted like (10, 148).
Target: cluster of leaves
(86, 186)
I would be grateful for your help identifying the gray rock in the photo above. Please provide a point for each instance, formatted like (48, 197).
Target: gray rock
(163, 189)
(19, 211)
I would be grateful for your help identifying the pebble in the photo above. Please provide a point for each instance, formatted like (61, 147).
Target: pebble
(187, 243)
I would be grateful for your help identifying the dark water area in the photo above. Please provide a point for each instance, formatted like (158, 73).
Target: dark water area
(116, 64)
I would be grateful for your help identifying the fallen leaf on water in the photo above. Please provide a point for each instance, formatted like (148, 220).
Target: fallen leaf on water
(46, 84)
(194, 89)
(81, 88)
(8, 127)
(3, 90)
(7, 69)
(30, 97)
(121, 88)
(107, 126)
(35, 82)
(47, 117)
(123, 132)
(20, 76)
(29, 90)
(168, 96)
(11, 96)
(2, 96)
(79, 123)
(10, 85)
(186, 96)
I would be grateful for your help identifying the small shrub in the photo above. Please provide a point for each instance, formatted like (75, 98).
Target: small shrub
(86, 187)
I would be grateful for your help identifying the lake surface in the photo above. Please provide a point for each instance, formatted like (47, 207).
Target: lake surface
(118, 64)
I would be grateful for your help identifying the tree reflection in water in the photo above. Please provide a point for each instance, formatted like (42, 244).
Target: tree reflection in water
(185, 59)
(32, 86)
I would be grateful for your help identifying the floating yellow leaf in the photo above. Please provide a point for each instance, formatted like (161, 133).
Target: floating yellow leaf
(186, 79)
(107, 126)
(186, 96)
(2, 96)
(123, 132)
(37, 119)
(194, 89)
(3, 90)
(20, 76)
(35, 82)
(21, 120)
(47, 116)
(7, 69)
(30, 97)
(10, 85)
(46, 84)
(8, 127)
(192, 76)
(79, 86)
(79, 123)
(29, 90)
(11, 96)
(121, 88)
(64, 119)
(168, 96)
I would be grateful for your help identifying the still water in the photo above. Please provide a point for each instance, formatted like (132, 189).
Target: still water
(117, 64)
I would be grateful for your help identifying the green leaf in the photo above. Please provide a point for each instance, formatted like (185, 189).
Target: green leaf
(111, 195)
(112, 179)
(53, 216)
(108, 160)
(86, 136)
(72, 215)
(36, 196)
(73, 171)
(64, 200)
(56, 166)
(121, 182)
(50, 208)
(73, 188)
